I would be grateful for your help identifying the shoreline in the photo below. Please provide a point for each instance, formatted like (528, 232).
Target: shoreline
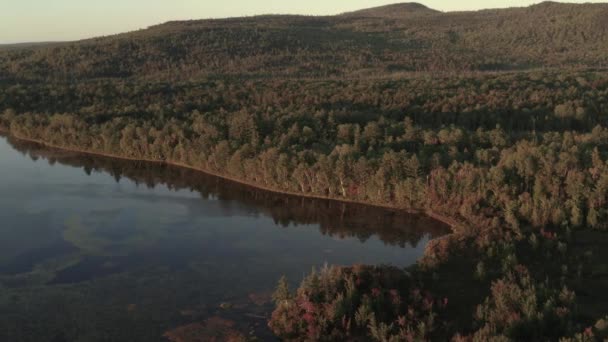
(451, 223)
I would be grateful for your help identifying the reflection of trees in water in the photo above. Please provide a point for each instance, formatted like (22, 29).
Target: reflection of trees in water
(335, 218)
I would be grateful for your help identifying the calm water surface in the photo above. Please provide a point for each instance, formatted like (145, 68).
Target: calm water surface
(96, 249)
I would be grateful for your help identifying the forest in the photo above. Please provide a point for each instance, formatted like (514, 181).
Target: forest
(485, 120)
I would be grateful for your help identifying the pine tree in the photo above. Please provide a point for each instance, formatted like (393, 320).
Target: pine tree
(282, 291)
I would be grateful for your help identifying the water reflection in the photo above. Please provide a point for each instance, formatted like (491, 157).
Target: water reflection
(336, 219)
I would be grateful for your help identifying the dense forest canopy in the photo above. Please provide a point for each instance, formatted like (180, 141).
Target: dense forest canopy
(495, 121)
(380, 41)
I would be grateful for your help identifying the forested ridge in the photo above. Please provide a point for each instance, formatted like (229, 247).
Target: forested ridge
(496, 121)
(381, 41)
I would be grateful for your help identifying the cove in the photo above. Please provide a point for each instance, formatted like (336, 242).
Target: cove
(95, 248)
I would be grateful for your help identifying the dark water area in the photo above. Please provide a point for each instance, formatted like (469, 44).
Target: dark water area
(99, 249)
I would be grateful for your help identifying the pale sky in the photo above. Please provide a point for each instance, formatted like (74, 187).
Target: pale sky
(59, 20)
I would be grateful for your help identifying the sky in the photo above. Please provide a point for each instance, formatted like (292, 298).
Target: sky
(60, 20)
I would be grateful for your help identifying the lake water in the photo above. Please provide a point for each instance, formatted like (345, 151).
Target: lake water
(98, 249)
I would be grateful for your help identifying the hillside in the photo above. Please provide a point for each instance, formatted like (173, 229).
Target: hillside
(378, 41)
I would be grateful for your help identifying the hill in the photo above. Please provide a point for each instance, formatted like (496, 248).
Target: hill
(402, 10)
(378, 41)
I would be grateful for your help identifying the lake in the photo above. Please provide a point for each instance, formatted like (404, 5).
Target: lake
(100, 249)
